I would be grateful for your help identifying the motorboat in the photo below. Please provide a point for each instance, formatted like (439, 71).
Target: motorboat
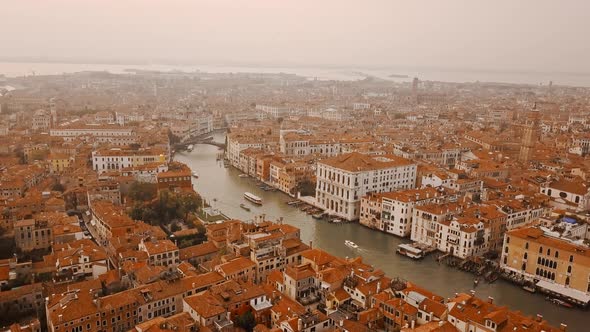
(190, 148)
(195, 175)
(253, 198)
(351, 244)
(243, 206)
(243, 175)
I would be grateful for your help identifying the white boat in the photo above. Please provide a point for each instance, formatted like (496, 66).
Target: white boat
(243, 175)
(190, 147)
(351, 244)
(410, 251)
(195, 175)
(253, 198)
(336, 221)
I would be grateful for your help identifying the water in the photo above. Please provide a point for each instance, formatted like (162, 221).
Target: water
(376, 248)
(14, 69)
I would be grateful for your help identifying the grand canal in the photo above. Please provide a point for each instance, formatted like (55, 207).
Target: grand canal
(224, 189)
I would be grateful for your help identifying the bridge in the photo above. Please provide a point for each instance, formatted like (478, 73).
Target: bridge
(196, 140)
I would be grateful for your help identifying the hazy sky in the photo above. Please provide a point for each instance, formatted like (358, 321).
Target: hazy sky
(523, 35)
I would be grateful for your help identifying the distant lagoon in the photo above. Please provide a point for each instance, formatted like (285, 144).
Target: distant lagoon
(397, 74)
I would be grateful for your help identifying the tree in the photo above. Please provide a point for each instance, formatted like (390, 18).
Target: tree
(246, 321)
(189, 203)
(307, 188)
(142, 191)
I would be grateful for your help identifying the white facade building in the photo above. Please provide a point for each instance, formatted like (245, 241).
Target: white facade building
(343, 180)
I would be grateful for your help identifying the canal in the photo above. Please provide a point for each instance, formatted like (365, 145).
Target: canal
(224, 189)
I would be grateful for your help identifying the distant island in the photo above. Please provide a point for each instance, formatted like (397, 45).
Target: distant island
(398, 76)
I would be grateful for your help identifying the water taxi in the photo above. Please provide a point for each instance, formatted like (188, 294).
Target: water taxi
(196, 175)
(253, 198)
(243, 206)
(351, 244)
(410, 251)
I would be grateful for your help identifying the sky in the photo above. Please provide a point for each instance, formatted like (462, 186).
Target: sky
(516, 35)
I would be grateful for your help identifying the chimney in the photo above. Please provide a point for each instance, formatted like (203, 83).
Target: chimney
(310, 244)
(378, 287)
(413, 324)
(441, 323)
(490, 300)
(341, 322)
(563, 327)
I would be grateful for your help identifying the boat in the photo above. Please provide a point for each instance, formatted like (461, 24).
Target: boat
(190, 148)
(409, 251)
(253, 198)
(243, 206)
(292, 202)
(475, 282)
(196, 175)
(530, 289)
(243, 175)
(560, 302)
(336, 221)
(318, 215)
(351, 244)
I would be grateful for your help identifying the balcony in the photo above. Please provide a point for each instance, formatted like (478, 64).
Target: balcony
(453, 240)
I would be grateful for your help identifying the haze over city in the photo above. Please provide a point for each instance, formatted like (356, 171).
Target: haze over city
(294, 166)
(530, 35)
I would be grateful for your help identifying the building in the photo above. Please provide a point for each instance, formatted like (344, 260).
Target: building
(393, 212)
(161, 253)
(115, 159)
(343, 180)
(555, 263)
(41, 120)
(572, 194)
(31, 234)
(103, 133)
(177, 176)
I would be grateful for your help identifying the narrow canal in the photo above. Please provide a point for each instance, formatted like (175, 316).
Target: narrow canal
(227, 188)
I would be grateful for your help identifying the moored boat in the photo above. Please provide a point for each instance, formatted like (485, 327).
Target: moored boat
(319, 215)
(253, 198)
(243, 206)
(409, 251)
(195, 175)
(243, 175)
(560, 302)
(530, 289)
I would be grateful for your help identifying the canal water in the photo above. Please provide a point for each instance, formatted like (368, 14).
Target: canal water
(224, 189)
